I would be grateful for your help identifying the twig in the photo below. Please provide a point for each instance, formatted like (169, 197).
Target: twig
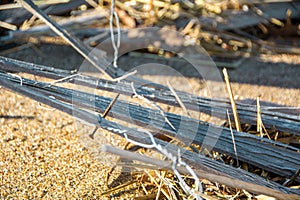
(8, 26)
(233, 141)
(260, 125)
(178, 99)
(135, 94)
(10, 6)
(91, 135)
(152, 179)
(110, 105)
(92, 3)
(105, 113)
(175, 160)
(236, 195)
(28, 23)
(119, 187)
(233, 105)
(124, 76)
(198, 185)
(142, 185)
(64, 79)
(19, 77)
(289, 181)
(258, 122)
(159, 188)
(161, 164)
(78, 46)
(146, 197)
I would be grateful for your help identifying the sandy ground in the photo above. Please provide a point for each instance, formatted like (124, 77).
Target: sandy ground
(42, 154)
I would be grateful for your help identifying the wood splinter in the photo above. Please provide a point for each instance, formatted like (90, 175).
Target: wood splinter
(105, 114)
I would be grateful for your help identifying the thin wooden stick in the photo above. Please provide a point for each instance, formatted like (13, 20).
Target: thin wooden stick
(105, 113)
(233, 141)
(178, 99)
(233, 105)
(292, 179)
(92, 3)
(124, 76)
(110, 105)
(258, 122)
(74, 42)
(91, 135)
(64, 79)
(118, 187)
(165, 193)
(146, 197)
(10, 6)
(8, 26)
(153, 104)
(160, 187)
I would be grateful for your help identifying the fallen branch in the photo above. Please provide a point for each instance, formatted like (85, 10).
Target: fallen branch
(158, 93)
(197, 161)
(282, 159)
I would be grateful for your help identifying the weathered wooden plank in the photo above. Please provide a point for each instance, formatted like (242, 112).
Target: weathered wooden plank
(250, 148)
(159, 93)
(201, 162)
